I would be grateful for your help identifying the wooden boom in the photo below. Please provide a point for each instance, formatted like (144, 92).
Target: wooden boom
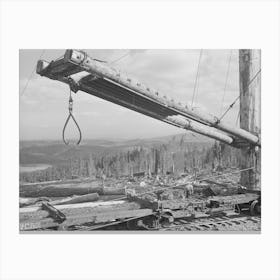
(108, 83)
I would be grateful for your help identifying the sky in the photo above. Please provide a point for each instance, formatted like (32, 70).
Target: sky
(44, 102)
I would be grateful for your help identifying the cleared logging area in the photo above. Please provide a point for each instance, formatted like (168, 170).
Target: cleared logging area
(140, 203)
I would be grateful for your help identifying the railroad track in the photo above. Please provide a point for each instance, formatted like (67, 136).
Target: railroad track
(223, 223)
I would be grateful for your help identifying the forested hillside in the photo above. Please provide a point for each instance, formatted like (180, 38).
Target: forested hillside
(175, 154)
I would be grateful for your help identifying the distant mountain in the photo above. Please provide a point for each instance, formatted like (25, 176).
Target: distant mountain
(54, 152)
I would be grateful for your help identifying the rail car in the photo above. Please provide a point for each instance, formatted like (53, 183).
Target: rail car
(137, 211)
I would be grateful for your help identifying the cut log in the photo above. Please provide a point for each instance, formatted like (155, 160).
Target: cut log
(35, 217)
(217, 189)
(79, 206)
(215, 183)
(59, 182)
(31, 213)
(104, 217)
(111, 197)
(113, 191)
(77, 199)
(62, 190)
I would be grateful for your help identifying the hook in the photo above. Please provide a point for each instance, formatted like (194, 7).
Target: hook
(70, 108)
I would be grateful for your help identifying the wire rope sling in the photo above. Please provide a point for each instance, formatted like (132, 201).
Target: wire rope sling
(71, 116)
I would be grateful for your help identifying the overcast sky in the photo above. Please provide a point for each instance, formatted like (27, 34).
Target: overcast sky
(44, 102)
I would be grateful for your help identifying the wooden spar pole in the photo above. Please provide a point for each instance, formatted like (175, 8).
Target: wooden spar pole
(101, 69)
(250, 114)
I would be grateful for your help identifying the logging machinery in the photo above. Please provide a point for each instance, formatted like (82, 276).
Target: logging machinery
(108, 83)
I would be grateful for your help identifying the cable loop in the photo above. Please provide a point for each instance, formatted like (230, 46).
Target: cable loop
(70, 108)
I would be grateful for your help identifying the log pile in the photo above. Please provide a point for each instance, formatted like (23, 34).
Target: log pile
(79, 201)
(32, 218)
(60, 205)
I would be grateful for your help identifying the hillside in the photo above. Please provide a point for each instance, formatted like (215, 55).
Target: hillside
(55, 152)
(185, 153)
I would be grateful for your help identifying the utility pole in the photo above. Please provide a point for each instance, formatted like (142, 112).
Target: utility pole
(250, 114)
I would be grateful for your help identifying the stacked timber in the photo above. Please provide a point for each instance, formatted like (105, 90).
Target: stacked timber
(55, 204)
(32, 218)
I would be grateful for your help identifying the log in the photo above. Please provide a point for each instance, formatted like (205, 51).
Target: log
(80, 206)
(77, 199)
(85, 218)
(59, 182)
(111, 197)
(23, 202)
(215, 183)
(201, 129)
(61, 190)
(218, 190)
(113, 191)
(35, 217)
(79, 209)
